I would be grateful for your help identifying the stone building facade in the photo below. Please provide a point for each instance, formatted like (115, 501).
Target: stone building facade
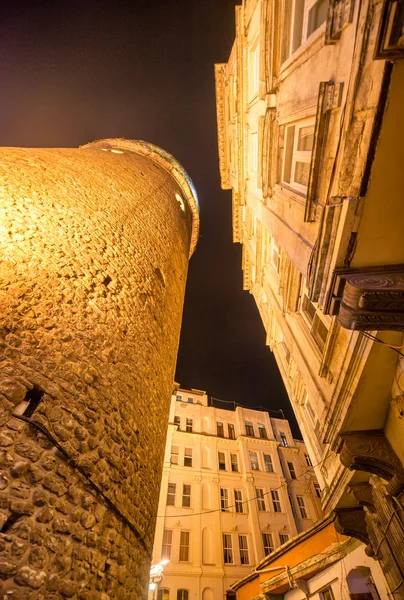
(235, 487)
(95, 245)
(310, 131)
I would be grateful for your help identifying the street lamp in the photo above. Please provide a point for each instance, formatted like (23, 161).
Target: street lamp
(156, 575)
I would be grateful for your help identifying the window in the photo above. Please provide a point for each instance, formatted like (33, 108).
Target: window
(275, 256)
(302, 508)
(189, 424)
(224, 499)
(234, 463)
(268, 542)
(227, 549)
(174, 455)
(262, 432)
(232, 434)
(275, 501)
(317, 490)
(177, 421)
(306, 17)
(186, 495)
(238, 501)
(253, 70)
(260, 499)
(308, 460)
(318, 329)
(190, 400)
(220, 429)
(222, 461)
(254, 461)
(283, 538)
(269, 468)
(249, 429)
(292, 506)
(253, 152)
(297, 154)
(178, 398)
(243, 547)
(167, 541)
(184, 546)
(327, 594)
(292, 471)
(284, 441)
(188, 457)
(171, 494)
(182, 595)
(163, 594)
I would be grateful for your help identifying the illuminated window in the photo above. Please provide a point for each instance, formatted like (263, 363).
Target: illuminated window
(184, 546)
(238, 501)
(249, 429)
(262, 432)
(260, 499)
(254, 461)
(299, 139)
(171, 494)
(188, 457)
(222, 461)
(167, 542)
(224, 499)
(227, 549)
(275, 501)
(174, 455)
(292, 471)
(163, 594)
(269, 468)
(302, 507)
(186, 495)
(268, 542)
(243, 547)
(234, 462)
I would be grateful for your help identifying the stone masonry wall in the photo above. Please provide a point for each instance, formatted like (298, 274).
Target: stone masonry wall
(94, 253)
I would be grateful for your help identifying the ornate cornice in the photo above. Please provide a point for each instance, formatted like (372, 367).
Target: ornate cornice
(220, 74)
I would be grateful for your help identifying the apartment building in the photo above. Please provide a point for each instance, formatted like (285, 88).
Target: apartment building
(310, 129)
(235, 487)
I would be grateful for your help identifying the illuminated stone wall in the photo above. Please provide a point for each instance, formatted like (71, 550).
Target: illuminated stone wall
(94, 253)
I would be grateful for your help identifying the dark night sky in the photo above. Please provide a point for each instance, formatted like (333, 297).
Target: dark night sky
(74, 72)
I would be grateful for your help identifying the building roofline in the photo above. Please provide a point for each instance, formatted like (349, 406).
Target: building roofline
(169, 164)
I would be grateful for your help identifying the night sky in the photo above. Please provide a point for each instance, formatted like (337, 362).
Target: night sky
(73, 72)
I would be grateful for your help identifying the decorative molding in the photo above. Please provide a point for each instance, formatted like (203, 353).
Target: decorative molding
(220, 74)
(390, 39)
(370, 451)
(340, 13)
(352, 522)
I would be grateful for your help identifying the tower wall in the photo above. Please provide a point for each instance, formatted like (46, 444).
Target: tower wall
(94, 252)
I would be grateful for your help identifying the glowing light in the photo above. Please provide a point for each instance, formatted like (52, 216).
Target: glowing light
(180, 201)
(116, 151)
(152, 586)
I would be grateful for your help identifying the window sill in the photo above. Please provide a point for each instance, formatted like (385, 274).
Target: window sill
(291, 193)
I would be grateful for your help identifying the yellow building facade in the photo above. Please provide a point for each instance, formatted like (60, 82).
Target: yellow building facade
(309, 133)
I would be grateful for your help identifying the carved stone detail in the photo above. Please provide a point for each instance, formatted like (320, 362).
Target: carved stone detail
(370, 451)
(363, 494)
(352, 522)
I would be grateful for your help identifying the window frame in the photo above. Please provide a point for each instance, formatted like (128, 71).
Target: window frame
(161, 595)
(276, 502)
(227, 548)
(243, 549)
(292, 470)
(271, 546)
(298, 39)
(268, 462)
(175, 456)
(284, 535)
(171, 494)
(303, 156)
(234, 463)
(308, 459)
(219, 429)
(187, 457)
(186, 495)
(221, 462)
(184, 547)
(177, 421)
(302, 507)
(249, 427)
(189, 425)
(253, 66)
(224, 499)
(231, 428)
(238, 501)
(317, 490)
(260, 497)
(283, 439)
(262, 431)
(182, 594)
(166, 554)
(254, 462)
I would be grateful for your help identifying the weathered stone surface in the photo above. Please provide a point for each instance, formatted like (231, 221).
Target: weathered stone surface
(91, 291)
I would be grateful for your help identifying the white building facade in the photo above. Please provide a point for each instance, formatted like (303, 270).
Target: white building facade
(235, 486)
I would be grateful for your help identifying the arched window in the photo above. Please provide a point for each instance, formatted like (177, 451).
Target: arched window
(163, 594)
(182, 595)
(360, 584)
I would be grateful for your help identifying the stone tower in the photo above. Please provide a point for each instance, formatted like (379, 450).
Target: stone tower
(95, 245)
